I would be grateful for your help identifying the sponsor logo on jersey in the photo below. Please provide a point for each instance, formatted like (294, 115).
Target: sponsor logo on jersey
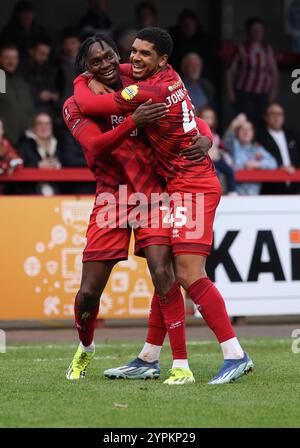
(175, 86)
(129, 92)
(118, 119)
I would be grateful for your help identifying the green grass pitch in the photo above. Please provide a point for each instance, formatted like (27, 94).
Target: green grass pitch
(35, 393)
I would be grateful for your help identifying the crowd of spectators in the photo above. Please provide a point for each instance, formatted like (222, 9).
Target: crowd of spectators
(40, 74)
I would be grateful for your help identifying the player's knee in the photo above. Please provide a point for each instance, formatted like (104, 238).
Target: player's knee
(162, 277)
(186, 277)
(89, 295)
(183, 278)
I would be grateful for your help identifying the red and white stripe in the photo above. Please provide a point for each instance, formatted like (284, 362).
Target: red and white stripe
(253, 67)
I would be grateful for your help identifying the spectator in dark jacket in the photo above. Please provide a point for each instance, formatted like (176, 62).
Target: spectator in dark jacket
(125, 42)
(146, 15)
(67, 70)
(201, 90)
(188, 36)
(22, 29)
(41, 76)
(283, 144)
(16, 106)
(39, 149)
(96, 20)
(72, 156)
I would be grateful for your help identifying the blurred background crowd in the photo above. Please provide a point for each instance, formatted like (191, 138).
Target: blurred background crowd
(233, 86)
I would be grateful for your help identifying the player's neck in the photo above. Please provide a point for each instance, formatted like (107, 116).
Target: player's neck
(118, 85)
(159, 69)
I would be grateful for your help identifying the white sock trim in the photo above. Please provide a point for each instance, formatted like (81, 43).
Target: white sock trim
(89, 348)
(231, 349)
(183, 363)
(150, 352)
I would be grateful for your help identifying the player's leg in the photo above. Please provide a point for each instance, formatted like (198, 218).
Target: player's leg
(146, 364)
(167, 314)
(95, 275)
(190, 270)
(170, 309)
(190, 259)
(104, 248)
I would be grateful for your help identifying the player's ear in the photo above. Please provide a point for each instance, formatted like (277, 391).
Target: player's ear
(163, 60)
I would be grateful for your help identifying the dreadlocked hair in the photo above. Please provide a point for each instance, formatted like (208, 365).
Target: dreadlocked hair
(80, 62)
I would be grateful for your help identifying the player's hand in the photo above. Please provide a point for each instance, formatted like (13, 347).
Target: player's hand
(98, 88)
(147, 113)
(198, 149)
(95, 86)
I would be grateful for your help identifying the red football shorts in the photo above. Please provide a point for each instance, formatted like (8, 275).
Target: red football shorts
(108, 234)
(193, 207)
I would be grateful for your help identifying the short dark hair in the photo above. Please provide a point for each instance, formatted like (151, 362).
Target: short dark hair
(8, 46)
(187, 13)
(70, 32)
(274, 103)
(37, 114)
(85, 46)
(42, 40)
(160, 38)
(251, 21)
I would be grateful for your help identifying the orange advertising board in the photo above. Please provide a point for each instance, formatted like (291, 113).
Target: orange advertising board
(42, 240)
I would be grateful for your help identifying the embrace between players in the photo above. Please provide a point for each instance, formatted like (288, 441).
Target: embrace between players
(159, 147)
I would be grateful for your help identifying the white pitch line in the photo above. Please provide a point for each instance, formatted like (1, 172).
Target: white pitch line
(67, 346)
(59, 346)
(53, 346)
(96, 358)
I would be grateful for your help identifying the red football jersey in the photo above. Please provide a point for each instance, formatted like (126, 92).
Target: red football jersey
(168, 135)
(115, 150)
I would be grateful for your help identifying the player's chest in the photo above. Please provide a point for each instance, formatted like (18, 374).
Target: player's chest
(113, 121)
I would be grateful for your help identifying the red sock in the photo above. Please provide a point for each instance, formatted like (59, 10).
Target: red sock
(157, 329)
(172, 307)
(85, 323)
(212, 308)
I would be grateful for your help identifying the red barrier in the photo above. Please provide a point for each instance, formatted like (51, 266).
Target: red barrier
(84, 175)
(47, 175)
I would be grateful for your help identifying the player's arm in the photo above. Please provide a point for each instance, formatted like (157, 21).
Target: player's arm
(205, 131)
(200, 144)
(132, 96)
(91, 104)
(89, 135)
(120, 103)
